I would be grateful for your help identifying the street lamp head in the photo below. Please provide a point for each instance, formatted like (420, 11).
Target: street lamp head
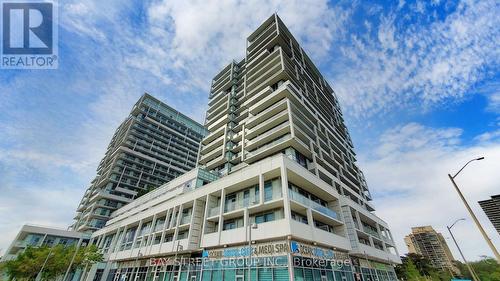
(475, 159)
(462, 219)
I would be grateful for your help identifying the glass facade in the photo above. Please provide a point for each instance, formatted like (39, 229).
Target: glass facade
(261, 269)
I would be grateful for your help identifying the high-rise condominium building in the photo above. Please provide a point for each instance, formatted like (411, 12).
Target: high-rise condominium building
(425, 241)
(154, 145)
(491, 208)
(277, 185)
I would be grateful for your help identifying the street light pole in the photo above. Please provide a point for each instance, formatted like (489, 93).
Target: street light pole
(250, 227)
(139, 254)
(39, 275)
(179, 248)
(472, 273)
(474, 218)
(72, 259)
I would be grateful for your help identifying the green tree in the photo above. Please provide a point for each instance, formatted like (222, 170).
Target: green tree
(422, 263)
(411, 271)
(487, 269)
(57, 259)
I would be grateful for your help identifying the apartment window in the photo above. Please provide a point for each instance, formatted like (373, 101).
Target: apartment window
(298, 217)
(159, 224)
(272, 189)
(268, 216)
(230, 202)
(296, 156)
(233, 224)
(33, 239)
(323, 226)
(169, 237)
(246, 197)
(107, 242)
(129, 237)
(264, 218)
(157, 239)
(364, 241)
(145, 229)
(182, 235)
(139, 241)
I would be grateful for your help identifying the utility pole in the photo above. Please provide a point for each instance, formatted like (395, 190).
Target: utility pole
(472, 273)
(474, 218)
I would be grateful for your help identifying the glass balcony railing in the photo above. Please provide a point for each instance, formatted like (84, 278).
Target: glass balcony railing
(370, 231)
(214, 211)
(159, 226)
(185, 219)
(231, 206)
(297, 197)
(355, 223)
(269, 145)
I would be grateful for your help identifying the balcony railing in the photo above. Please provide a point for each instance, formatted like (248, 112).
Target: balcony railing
(214, 211)
(315, 206)
(231, 206)
(159, 226)
(185, 219)
(269, 145)
(370, 231)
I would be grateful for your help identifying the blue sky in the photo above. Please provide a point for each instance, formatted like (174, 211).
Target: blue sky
(417, 81)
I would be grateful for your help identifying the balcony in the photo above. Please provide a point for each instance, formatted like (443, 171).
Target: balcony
(185, 220)
(231, 206)
(269, 135)
(159, 227)
(299, 198)
(370, 231)
(212, 212)
(269, 145)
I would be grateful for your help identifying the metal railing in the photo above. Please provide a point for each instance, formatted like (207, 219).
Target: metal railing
(314, 205)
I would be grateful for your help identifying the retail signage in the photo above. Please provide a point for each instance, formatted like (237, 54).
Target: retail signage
(306, 250)
(266, 249)
(276, 248)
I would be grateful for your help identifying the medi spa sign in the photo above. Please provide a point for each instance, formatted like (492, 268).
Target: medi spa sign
(276, 248)
(301, 252)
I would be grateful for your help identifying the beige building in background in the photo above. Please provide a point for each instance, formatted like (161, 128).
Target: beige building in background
(425, 241)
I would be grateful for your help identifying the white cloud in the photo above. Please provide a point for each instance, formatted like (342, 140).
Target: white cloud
(408, 177)
(494, 102)
(186, 42)
(420, 64)
(489, 136)
(53, 206)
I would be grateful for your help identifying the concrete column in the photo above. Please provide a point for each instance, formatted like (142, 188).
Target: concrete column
(193, 209)
(221, 213)
(165, 223)
(150, 236)
(261, 189)
(289, 109)
(310, 220)
(136, 234)
(246, 223)
(177, 223)
(358, 219)
(114, 242)
(284, 191)
(205, 214)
